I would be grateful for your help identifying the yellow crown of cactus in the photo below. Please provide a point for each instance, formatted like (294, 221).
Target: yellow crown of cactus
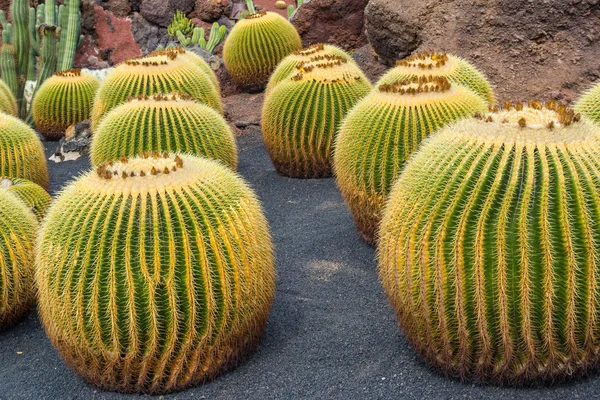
(21, 151)
(155, 273)
(256, 45)
(18, 228)
(174, 123)
(8, 103)
(204, 66)
(63, 100)
(456, 69)
(488, 247)
(302, 114)
(381, 133)
(164, 71)
(31, 194)
(289, 65)
(588, 104)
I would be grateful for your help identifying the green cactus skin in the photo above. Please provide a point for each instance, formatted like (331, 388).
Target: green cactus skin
(21, 152)
(302, 114)
(196, 59)
(18, 228)
(180, 23)
(31, 194)
(155, 283)
(382, 132)
(8, 104)
(456, 69)
(65, 99)
(489, 247)
(256, 45)
(588, 104)
(162, 71)
(70, 36)
(164, 123)
(8, 66)
(289, 65)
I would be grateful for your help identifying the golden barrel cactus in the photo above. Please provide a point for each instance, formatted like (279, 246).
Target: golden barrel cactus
(170, 123)
(588, 104)
(31, 194)
(382, 132)
(155, 273)
(255, 46)
(8, 103)
(489, 246)
(63, 100)
(302, 114)
(457, 70)
(163, 71)
(21, 152)
(204, 66)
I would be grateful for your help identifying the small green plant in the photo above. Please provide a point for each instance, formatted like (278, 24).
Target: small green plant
(31, 194)
(217, 34)
(181, 23)
(292, 9)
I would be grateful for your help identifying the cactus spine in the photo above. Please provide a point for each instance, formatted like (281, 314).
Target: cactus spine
(8, 104)
(166, 262)
(256, 45)
(164, 123)
(302, 114)
(204, 66)
(21, 152)
(63, 100)
(31, 194)
(382, 132)
(588, 104)
(488, 247)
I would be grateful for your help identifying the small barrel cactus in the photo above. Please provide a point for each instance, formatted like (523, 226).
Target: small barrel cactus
(289, 65)
(302, 114)
(489, 246)
(588, 104)
(456, 69)
(256, 45)
(18, 228)
(21, 152)
(31, 194)
(163, 123)
(63, 100)
(8, 103)
(381, 133)
(155, 273)
(162, 71)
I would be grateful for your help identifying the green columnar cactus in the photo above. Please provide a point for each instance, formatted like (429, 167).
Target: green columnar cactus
(155, 274)
(8, 67)
(292, 9)
(457, 70)
(18, 228)
(256, 45)
(488, 247)
(302, 114)
(380, 134)
(8, 104)
(163, 123)
(70, 38)
(289, 65)
(21, 151)
(589, 104)
(216, 36)
(31, 194)
(204, 66)
(162, 71)
(63, 100)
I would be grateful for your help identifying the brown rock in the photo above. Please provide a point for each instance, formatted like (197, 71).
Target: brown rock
(210, 10)
(243, 110)
(369, 62)
(161, 12)
(120, 8)
(339, 22)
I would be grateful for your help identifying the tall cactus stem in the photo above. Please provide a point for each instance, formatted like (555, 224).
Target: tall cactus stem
(20, 18)
(8, 63)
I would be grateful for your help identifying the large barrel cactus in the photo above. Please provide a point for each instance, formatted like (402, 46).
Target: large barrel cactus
(8, 103)
(302, 114)
(163, 123)
(63, 100)
(21, 151)
(18, 228)
(31, 194)
(382, 132)
(256, 45)
(162, 71)
(588, 104)
(155, 273)
(204, 66)
(489, 246)
(456, 69)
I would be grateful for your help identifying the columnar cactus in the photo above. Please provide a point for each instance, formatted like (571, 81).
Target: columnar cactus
(456, 69)
(155, 273)
(31, 194)
(17, 241)
(302, 114)
(381, 133)
(8, 104)
(256, 45)
(21, 151)
(163, 71)
(588, 104)
(163, 123)
(65, 99)
(489, 246)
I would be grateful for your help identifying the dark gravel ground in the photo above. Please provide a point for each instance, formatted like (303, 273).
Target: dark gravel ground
(331, 334)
